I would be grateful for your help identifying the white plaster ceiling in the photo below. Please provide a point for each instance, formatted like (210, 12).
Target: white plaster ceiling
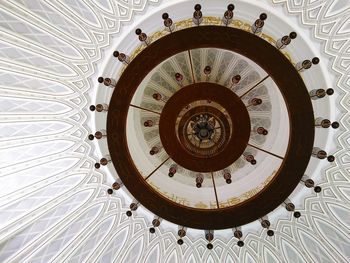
(54, 206)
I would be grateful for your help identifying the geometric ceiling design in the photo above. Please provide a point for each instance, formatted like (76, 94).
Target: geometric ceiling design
(53, 203)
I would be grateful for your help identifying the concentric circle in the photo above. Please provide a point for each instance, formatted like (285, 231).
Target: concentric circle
(279, 69)
(237, 127)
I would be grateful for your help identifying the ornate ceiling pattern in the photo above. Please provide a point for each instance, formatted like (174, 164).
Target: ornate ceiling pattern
(54, 206)
(161, 80)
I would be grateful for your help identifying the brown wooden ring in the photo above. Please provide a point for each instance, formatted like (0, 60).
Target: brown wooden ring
(292, 87)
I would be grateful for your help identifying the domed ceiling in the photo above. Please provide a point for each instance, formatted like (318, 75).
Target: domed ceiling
(54, 203)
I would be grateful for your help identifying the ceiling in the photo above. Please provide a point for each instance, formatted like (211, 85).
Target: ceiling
(54, 206)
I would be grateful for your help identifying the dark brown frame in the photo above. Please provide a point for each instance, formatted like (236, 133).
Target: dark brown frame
(284, 75)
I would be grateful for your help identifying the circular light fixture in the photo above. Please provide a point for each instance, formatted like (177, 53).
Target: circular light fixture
(205, 128)
(279, 69)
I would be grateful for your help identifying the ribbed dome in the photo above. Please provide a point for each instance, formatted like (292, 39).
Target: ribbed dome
(54, 203)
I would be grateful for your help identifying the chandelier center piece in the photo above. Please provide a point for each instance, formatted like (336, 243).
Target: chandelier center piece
(204, 128)
(197, 127)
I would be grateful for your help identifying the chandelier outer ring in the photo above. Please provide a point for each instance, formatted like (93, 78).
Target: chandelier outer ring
(295, 95)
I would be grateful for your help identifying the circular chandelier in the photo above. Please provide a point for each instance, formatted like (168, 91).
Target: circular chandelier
(204, 167)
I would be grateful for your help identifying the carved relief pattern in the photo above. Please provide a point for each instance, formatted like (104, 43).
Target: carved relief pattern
(54, 206)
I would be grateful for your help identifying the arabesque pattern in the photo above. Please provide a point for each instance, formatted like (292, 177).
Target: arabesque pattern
(54, 206)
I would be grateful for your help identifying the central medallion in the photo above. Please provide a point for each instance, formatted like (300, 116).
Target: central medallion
(197, 127)
(203, 128)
